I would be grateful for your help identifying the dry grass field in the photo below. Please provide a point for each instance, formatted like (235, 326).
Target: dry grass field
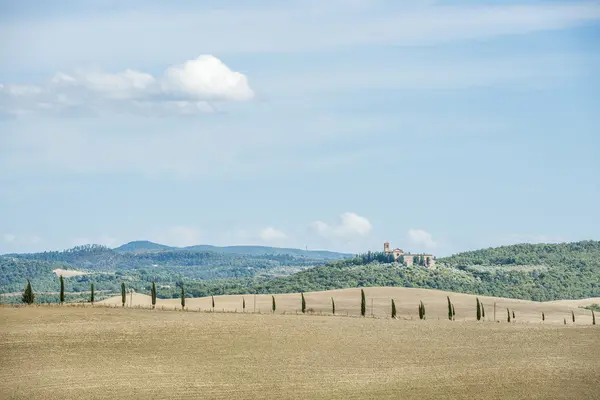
(108, 353)
(347, 302)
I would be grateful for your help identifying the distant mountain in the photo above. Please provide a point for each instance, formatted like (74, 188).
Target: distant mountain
(140, 246)
(143, 246)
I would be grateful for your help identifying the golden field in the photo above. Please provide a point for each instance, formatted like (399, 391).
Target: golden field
(74, 352)
(347, 302)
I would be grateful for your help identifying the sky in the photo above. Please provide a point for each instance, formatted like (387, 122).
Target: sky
(440, 126)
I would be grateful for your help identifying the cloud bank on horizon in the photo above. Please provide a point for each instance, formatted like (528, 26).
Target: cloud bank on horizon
(439, 127)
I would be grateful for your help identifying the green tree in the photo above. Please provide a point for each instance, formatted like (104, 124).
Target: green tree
(453, 313)
(62, 290)
(182, 297)
(482, 310)
(508, 312)
(333, 306)
(363, 303)
(450, 312)
(28, 296)
(153, 294)
(401, 259)
(212, 298)
(123, 294)
(573, 316)
(273, 305)
(393, 309)
(478, 309)
(92, 293)
(303, 303)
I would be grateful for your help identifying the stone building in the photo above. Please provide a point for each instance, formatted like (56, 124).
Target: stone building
(408, 258)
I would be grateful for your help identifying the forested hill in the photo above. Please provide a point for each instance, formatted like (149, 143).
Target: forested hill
(547, 255)
(142, 246)
(539, 272)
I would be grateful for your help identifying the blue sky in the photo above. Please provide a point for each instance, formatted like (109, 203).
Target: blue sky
(439, 126)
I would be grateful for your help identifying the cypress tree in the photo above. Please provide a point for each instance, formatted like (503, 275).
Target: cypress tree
(153, 293)
(332, 306)
(514, 318)
(543, 317)
(478, 310)
(363, 303)
(423, 310)
(453, 313)
(420, 312)
(92, 294)
(28, 296)
(482, 310)
(123, 293)
(565, 320)
(212, 298)
(593, 318)
(273, 305)
(182, 297)
(508, 312)
(573, 316)
(393, 309)
(303, 303)
(243, 304)
(62, 290)
(450, 312)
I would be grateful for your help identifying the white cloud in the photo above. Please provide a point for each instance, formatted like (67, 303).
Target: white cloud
(420, 237)
(9, 237)
(181, 236)
(188, 88)
(350, 225)
(271, 234)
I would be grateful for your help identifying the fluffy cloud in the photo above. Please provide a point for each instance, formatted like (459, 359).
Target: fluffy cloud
(271, 234)
(420, 237)
(349, 225)
(187, 88)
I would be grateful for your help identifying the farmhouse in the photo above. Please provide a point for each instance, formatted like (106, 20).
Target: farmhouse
(409, 259)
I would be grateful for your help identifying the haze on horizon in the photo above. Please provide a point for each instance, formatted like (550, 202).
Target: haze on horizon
(437, 126)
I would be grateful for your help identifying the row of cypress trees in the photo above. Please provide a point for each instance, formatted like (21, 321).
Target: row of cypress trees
(28, 297)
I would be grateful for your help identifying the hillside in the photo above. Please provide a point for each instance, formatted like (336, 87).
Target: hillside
(347, 302)
(561, 271)
(147, 246)
(139, 263)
